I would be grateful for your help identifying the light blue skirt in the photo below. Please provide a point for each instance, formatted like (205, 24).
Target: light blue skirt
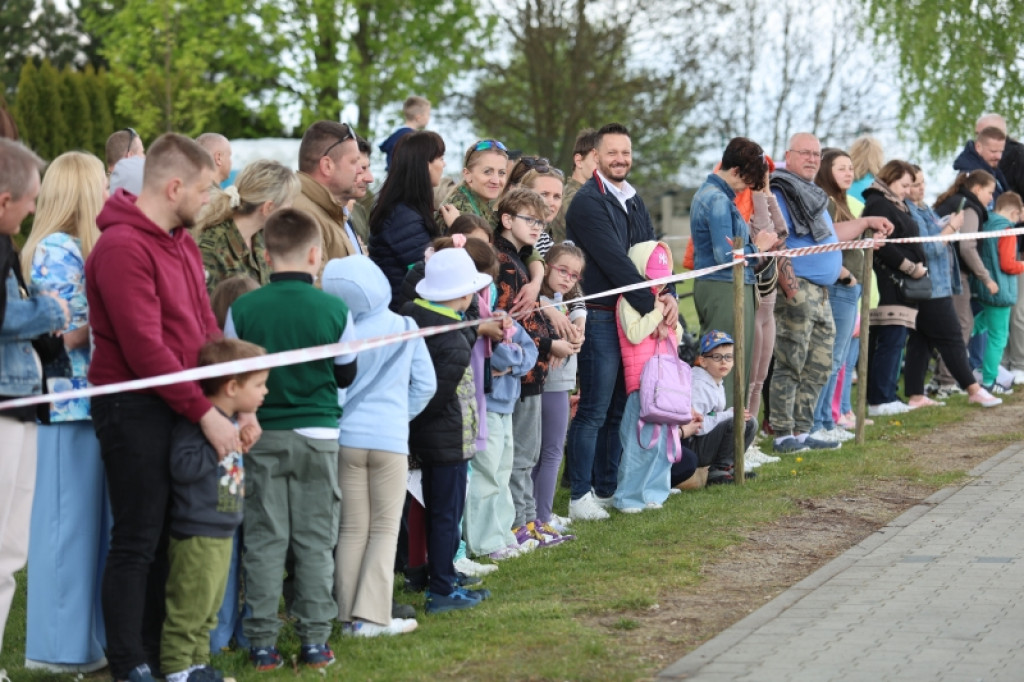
(68, 544)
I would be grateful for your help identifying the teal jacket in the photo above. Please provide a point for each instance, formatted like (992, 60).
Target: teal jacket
(988, 249)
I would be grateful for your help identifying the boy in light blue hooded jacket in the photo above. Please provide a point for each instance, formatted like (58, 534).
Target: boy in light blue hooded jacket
(393, 384)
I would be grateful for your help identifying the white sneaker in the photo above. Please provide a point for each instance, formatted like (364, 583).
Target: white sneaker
(1018, 376)
(840, 435)
(888, 409)
(822, 434)
(604, 502)
(632, 510)
(586, 509)
(984, 398)
(397, 626)
(652, 505)
(560, 520)
(470, 567)
(675, 491)
(756, 454)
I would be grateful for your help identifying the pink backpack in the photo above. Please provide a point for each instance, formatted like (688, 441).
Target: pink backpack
(664, 398)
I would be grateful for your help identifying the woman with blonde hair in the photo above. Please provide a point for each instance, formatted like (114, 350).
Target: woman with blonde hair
(70, 513)
(230, 233)
(868, 156)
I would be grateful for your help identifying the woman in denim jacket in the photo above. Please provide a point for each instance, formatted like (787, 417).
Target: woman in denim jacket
(716, 228)
(24, 319)
(70, 513)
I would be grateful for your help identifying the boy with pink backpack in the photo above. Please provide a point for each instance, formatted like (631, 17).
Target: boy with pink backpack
(643, 479)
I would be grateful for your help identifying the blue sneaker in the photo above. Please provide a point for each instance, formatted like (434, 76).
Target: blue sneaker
(141, 674)
(265, 657)
(479, 594)
(815, 444)
(464, 580)
(789, 445)
(456, 601)
(316, 655)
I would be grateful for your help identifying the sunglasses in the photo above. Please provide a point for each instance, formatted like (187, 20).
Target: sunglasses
(131, 139)
(484, 145)
(350, 136)
(541, 165)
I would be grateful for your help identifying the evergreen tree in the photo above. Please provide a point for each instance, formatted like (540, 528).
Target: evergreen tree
(76, 110)
(27, 108)
(99, 107)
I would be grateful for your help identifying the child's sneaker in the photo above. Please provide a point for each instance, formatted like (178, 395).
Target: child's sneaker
(264, 657)
(788, 445)
(560, 523)
(527, 543)
(553, 535)
(397, 626)
(204, 673)
(456, 601)
(510, 552)
(316, 655)
(470, 567)
(463, 580)
(587, 509)
(140, 673)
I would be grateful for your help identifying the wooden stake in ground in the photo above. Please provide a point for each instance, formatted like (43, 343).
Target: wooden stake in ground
(862, 361)
(739, 379)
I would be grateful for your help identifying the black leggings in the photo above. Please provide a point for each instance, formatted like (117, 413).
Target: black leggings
(937, 327)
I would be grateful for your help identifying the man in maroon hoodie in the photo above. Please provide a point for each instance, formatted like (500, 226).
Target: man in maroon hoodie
(149, 314)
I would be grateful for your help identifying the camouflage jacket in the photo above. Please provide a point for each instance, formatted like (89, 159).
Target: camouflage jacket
(464, 199)
(226, 255)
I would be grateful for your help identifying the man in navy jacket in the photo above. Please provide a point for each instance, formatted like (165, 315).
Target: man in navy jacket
(605, 219)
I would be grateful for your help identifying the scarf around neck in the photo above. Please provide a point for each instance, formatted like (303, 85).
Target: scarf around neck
(888, 194)
(806, 202)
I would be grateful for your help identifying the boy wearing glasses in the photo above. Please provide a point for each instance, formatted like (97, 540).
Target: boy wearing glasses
(713, 443)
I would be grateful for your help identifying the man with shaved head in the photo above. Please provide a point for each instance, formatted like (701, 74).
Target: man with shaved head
(149, 313)
(219, 149)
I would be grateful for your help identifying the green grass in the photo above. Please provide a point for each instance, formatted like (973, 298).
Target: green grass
(559, 614)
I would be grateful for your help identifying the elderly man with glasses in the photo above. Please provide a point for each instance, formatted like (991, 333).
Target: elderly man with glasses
(805, 330)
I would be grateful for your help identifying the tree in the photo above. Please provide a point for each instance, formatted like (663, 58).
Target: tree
(799, 68)
(76, 110)
(38, 110)
(37, 30)
(957, 60)
(569, 68)
(95, 86)
(377, 52)
(177, 66)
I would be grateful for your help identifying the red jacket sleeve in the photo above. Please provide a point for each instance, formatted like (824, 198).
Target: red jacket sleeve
(1008, 262)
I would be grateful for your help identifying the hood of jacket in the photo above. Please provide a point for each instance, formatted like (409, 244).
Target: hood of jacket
(120, 209)
(359, 283)
(640, 253)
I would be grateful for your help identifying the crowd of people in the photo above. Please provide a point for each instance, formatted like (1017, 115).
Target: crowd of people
(163, 525)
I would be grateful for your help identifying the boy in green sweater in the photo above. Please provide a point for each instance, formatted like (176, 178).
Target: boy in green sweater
(292, 472)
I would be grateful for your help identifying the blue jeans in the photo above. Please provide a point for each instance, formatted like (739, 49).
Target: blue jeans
(884, 352)
(643, 474)
(852, 357)
(844, 314)
(593, 446)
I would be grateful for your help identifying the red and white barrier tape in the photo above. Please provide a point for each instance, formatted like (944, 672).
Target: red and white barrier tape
(331, 350)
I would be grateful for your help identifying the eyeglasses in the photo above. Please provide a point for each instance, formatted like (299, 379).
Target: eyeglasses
(530, 220)
(541, 165)
(565, 272)
(131, 140)
(807, 153)
(720, 357)
(350, 136)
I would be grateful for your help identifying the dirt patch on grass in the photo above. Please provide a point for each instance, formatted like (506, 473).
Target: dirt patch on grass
(780, 554)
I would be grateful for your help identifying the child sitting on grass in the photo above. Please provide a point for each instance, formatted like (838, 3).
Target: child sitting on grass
(207, 494)
(714, 441)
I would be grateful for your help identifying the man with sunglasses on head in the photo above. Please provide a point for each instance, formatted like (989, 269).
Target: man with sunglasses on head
(606, 218)
(330, 167)
(126, 156)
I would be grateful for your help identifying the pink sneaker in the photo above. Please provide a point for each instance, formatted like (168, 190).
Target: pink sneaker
(984, 398)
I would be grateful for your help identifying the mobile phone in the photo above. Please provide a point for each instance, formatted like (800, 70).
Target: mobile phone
(963, 202)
